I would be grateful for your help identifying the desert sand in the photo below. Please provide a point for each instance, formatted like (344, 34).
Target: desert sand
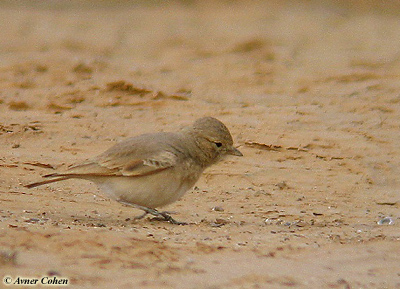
(309, 89)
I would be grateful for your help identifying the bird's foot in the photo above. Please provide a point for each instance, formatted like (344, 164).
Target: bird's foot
(163, 216)
(167, 217)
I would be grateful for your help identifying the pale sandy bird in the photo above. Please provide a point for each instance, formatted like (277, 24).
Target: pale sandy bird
(153, 170)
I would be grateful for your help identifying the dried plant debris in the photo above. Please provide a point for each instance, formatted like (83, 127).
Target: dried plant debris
(250, 45)
(131, 89)
(8, 258)
(18, 128)
(263, 146)
(66, 101)
(83, 68)
(271, 147)
(122, 85)
(307, 148)
(18, 105)
(40, 165)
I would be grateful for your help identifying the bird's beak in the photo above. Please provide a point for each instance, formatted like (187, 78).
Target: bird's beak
(235, 152)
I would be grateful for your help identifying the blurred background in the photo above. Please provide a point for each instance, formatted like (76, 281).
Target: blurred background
(309, 89)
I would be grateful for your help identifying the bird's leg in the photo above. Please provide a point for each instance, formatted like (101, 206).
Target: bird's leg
(164, 215)
(140, 216)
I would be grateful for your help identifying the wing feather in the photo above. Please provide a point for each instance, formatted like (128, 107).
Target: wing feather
(125, 166)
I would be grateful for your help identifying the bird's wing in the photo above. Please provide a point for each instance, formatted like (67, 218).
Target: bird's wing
(137, 156)
(114, 165)
(140, 167)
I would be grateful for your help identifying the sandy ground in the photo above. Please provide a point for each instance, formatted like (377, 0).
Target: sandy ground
(310, 91)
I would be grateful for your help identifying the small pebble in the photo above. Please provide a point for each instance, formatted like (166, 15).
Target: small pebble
(386, 221)
(32, 220)
(218, 209)
(218, 223)
(282, 185)
(53, 273)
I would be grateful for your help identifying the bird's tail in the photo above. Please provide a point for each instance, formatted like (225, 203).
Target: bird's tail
(55, 178)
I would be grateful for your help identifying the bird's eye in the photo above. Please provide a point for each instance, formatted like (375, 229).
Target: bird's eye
(218, 144)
